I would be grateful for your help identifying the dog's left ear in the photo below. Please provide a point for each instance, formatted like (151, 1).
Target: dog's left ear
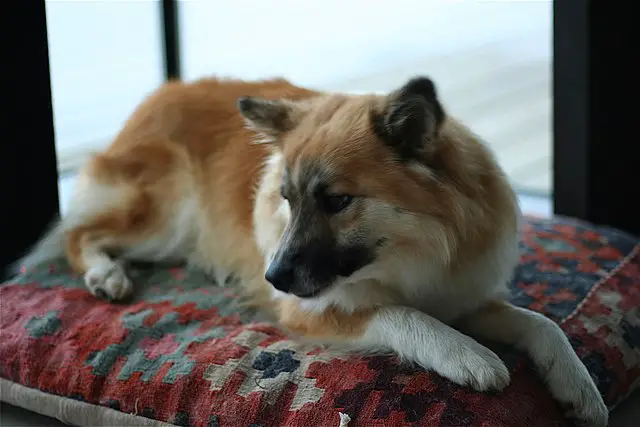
(410, 118)
(270, 118)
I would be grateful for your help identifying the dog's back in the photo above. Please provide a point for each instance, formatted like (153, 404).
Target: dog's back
(176, 183)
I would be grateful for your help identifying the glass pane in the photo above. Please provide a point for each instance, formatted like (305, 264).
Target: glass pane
(491, 60)
(105, 56)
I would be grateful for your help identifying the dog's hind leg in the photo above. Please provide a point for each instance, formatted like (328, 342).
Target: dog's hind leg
(128, 206)
(92, 246)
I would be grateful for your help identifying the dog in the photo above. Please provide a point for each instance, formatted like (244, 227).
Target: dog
(373, 221)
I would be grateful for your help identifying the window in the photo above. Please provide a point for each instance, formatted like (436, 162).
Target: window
(105, 56)
(493, 73)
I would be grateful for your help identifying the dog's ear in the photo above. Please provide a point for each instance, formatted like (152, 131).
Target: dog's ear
(269, 118)
(410, 118)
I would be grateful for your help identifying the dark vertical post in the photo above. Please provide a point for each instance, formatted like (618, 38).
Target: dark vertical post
(171, 37)
(28, 167)
(595, 106)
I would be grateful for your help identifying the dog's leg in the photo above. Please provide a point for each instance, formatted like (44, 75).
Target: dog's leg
(88, 248)
(128, 206)
(411, 334)
(567, 377)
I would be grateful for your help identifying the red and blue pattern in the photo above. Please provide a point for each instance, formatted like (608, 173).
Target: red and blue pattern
(182, 352)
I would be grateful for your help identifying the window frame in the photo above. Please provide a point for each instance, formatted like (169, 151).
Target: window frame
(28, 165)
(596, 161)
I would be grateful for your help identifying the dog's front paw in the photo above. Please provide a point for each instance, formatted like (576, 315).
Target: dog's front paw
(108, 280)
(571, 385)
(472, 364)
(589, 411)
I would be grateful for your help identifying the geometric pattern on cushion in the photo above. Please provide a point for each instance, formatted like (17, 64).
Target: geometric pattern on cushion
(181, 351)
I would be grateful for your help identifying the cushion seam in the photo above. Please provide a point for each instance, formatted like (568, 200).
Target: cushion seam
(625, 261)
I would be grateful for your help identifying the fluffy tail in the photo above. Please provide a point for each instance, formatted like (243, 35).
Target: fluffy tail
(51, 246)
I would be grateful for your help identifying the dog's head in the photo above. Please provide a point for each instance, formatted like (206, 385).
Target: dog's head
(356, 173)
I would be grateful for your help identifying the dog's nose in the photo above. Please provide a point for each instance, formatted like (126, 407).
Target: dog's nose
(280, 275)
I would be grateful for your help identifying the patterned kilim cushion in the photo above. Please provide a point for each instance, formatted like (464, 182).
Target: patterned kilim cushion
(182, 353)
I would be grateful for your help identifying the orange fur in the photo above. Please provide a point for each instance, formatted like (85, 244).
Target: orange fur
(183, 141)
(332, 323)
(437, 232)
(188, 140)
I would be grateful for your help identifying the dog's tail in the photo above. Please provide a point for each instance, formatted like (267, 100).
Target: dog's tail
(51, 246)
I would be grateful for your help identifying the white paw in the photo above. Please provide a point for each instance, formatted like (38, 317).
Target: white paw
(571, 384)
(108, 280)
(470, 363)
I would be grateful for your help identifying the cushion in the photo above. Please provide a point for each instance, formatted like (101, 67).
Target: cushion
(182, 352)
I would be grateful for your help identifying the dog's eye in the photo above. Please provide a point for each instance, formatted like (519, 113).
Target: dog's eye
(336, 203)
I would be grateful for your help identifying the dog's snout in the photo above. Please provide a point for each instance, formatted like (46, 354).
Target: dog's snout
(281, 273)
(302, 271)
